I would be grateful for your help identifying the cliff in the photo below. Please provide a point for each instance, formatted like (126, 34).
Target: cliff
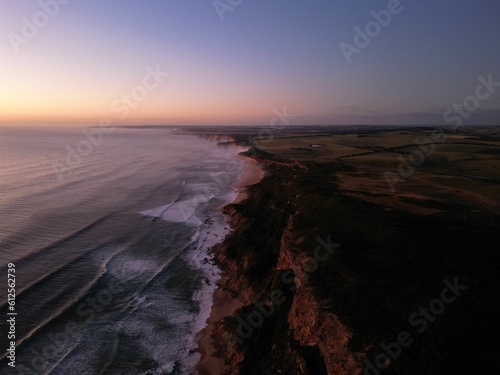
(327, 281)
(263, 262)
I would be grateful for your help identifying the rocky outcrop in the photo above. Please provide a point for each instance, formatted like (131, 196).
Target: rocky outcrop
(282, 327)
(311, 323)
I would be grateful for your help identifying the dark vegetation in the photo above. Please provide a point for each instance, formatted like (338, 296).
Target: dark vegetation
(390, 264)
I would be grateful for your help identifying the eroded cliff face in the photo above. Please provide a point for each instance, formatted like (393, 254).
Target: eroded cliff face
(311, 323)
(332, 317)
(282, 327)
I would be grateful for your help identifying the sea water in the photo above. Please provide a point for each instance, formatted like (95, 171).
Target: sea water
(110, 245)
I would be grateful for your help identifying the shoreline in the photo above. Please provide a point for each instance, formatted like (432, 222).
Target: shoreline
(223, 303)
(298, 336)
(278, 228)
(252, 174)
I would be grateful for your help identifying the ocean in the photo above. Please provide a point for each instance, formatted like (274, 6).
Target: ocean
(108, 235)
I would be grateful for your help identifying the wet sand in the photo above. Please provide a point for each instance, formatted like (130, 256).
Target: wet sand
(252, 174)
(223, 303)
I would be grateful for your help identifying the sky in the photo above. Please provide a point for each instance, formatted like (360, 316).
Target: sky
(237, 62)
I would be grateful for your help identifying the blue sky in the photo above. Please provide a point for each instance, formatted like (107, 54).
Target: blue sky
(263, 55)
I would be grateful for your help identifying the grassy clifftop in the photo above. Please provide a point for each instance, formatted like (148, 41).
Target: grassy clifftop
(383, 279)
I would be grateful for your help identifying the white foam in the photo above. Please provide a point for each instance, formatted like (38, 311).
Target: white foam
(180, 212)
(212, 229)
(137, 267)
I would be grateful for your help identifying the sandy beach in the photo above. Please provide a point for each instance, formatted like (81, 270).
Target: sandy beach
(252, 174)
(223, 303)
